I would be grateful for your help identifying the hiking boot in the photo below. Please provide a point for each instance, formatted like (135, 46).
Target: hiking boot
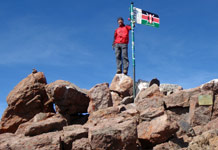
(119, 71)
(125, 72)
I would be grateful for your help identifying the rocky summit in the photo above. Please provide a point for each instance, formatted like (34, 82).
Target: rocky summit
(62, 116)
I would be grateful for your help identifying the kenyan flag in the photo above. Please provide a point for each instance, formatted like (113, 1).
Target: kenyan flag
(146, 18)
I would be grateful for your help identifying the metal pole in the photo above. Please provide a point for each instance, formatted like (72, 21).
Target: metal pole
(133, 47)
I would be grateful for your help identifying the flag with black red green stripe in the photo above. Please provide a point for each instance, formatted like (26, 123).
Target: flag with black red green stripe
(146, 18)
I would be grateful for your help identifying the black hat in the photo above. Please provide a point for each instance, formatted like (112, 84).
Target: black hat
(120, 18)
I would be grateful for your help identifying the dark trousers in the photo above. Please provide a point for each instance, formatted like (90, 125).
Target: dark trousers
(121, 51)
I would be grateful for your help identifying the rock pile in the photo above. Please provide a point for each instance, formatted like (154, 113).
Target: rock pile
(160, 117)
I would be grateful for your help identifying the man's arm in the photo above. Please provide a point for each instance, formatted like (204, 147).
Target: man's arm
(128, 27)
(113, 44)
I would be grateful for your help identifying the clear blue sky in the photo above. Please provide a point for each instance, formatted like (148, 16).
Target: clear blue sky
(71, 40)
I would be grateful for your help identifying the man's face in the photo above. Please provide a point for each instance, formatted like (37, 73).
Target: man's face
(120, 22)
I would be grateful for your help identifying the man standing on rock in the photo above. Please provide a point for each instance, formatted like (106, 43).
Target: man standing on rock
(120, 44)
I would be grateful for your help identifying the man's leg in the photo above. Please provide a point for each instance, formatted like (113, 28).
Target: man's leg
(125, 58)
(118, 58)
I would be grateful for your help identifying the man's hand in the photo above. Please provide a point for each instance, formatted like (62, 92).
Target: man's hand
(113, 46)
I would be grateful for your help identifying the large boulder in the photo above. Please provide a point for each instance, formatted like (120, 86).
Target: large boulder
(48, 141)
(100, 97)
(199, 114)
(113, 128)
(157, 130)
(35, 127)
(73, 133)
(206, 141)
(67, 97)
(122, 84)
(113, 135)
(150, 108)
(27, 99)
(213, 124)
(81, 144)
(56, 140)
(116, 98)
(181, 98)
(150, 92)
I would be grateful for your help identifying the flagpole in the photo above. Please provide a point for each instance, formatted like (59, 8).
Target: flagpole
(133, 47)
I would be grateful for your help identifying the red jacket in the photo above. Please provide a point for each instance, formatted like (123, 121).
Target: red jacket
(121, 35)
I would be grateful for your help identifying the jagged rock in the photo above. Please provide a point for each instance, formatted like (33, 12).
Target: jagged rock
(38, 117)
(157, 130)
(48, 141)
(101, 114)
(215, 108)
(167, 146)
(211, 86)
(116, 98)
(27, 99)
(127, 100)
(81, 144)
(100, 97)
(113, 135)
(182, 98)
(199, 115)
(113, 128)
(72, 133)
(68, 98)
(150, 92)
(32, 128)
(122, 84)
(168, 89)
(213, 124)
(206, 141)
(150, 108)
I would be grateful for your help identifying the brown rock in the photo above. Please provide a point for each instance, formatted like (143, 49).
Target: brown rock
(206, 141)
(199, 115)
(26, 100)
(215, 108)
(122, 84)
(167, 146)
(81, 144)
(127, 100)
(32, 128)
(113, 135)
(48, 141)
(150, 107)
(168, 89)
(113, 128)
(157, 130)
(211, 86)
(100, 97)
(68, 98)
(72, 133)
(101, 114)
(213, 124)
(116, 98)
(150, 92)
(181, 98)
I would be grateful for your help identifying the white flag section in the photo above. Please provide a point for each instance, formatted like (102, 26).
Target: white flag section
(137, 15)
(146, 18)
